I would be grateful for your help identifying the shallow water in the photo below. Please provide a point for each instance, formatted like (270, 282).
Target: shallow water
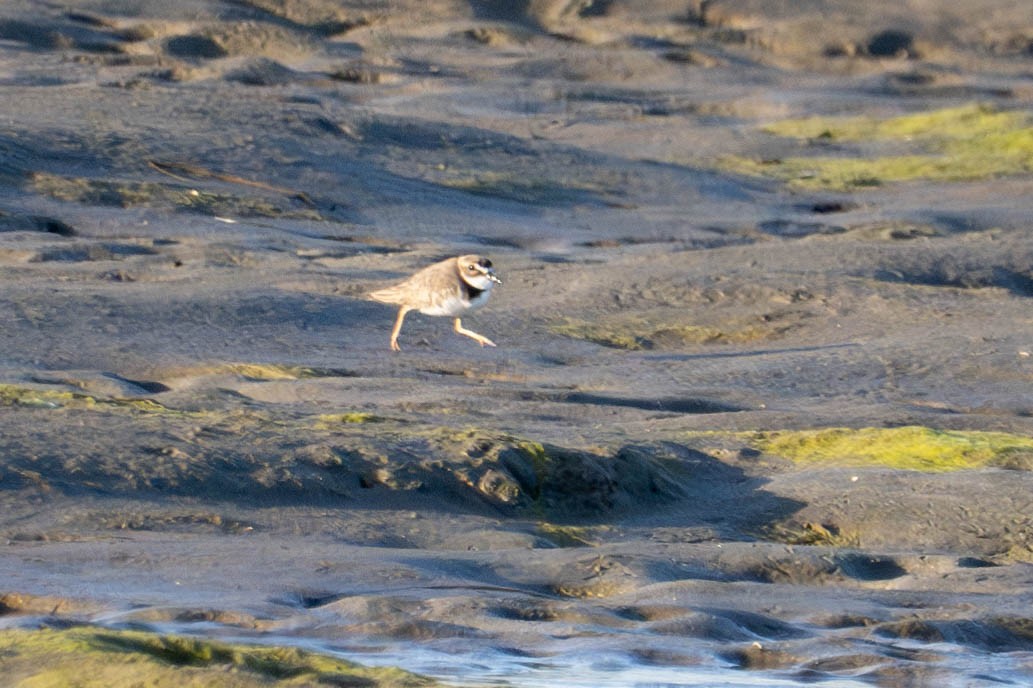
(587, 664)
(467, 667)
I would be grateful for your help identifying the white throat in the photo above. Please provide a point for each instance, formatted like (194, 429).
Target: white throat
(482, 282)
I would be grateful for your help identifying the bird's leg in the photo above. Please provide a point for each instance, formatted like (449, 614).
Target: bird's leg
(484, 341)
(398, 328)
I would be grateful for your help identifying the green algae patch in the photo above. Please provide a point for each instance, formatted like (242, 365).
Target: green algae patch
(183, 198)
(851, 174)
(540, 461)
(909, 448)
(641, 334)
(957, 123)
(260, 372)
(569, 535)
(266, 372)
(257, 372)
(271, 372)
(88, 657)
(816, 534)
(13, 395)
(328, 421)
(970, 142)
(610, 336)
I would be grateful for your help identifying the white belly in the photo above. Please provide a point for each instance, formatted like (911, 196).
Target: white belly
(454, 305)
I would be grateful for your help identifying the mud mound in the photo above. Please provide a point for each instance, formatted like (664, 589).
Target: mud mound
(545, 14)
(262, 72)
(319, 16)
(127, 658)
(240, 39)
(42, 605)
(583, 484)
(888, 509)
(1010, 634)
(964, 270)
(71, 31)
(470, 470)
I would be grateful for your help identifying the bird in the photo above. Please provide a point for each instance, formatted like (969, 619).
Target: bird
(449, 287)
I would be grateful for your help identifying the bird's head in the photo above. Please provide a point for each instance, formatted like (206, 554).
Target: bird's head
(477, 271)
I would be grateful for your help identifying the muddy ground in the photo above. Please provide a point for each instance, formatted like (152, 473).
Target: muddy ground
(204, 431)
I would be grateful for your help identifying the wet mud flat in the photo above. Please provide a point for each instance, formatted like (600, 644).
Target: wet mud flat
(760, 409)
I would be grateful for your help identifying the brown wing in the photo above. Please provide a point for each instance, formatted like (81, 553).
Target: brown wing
(422, 290)
(395, 294)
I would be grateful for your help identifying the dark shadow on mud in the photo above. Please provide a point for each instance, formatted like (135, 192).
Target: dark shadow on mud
(977, 264)
(960, 276)
(716, 494)
(260, 464)
(64, 34)
(21, 222)
(867, 567)
(1001, 634)
(667, 405)
(749, 354)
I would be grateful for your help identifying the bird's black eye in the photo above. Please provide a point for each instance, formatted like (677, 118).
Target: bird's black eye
(472, 267)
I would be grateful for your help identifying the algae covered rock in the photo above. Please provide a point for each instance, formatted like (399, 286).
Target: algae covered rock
(93, 658)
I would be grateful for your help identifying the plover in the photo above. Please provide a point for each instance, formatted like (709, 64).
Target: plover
(451, 287)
